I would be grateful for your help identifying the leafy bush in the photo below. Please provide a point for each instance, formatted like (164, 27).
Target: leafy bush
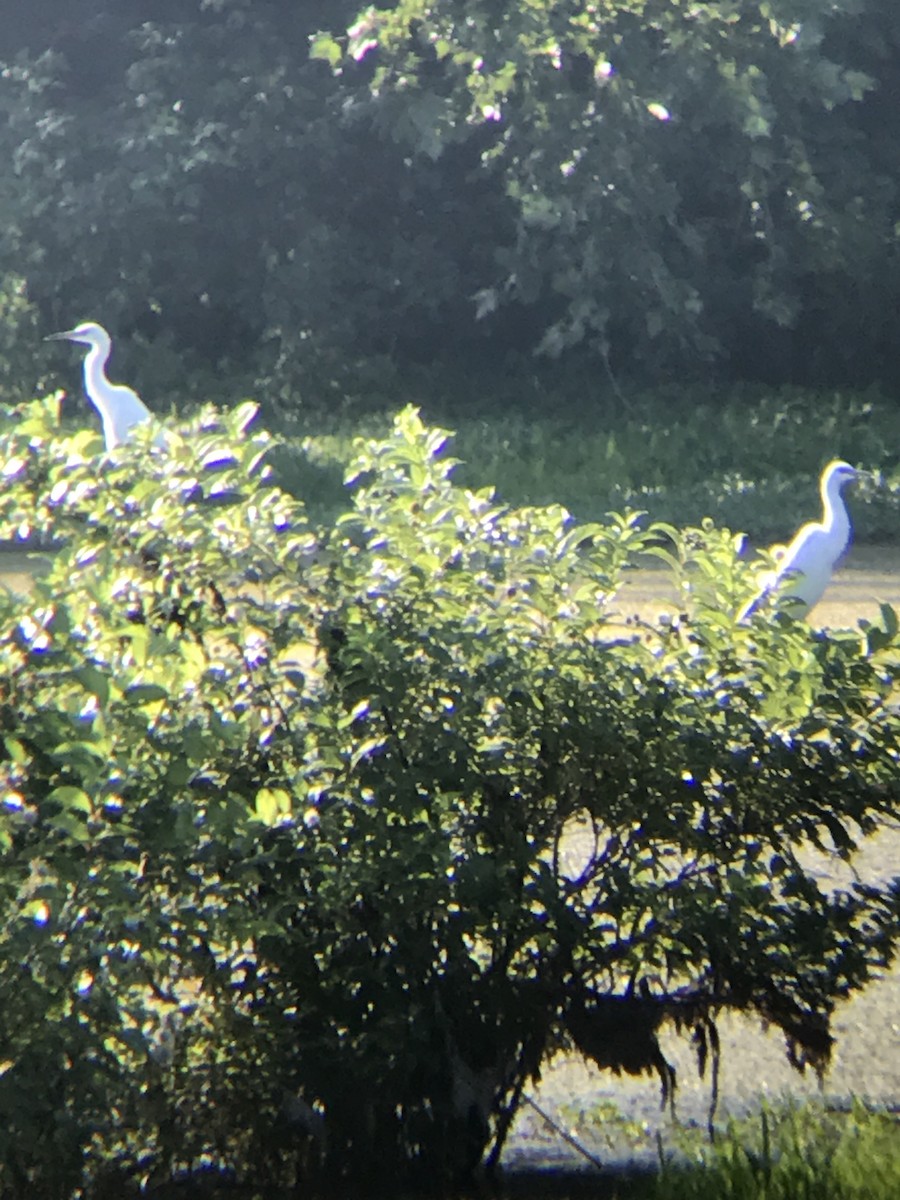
(315, 844)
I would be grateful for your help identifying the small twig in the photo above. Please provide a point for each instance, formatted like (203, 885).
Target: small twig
(564, 1134)
(503, 1126)
(395, 737)
(620, 396)
(714, 1089)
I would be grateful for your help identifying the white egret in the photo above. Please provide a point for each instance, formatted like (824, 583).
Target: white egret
(803, 572)
(120, 408)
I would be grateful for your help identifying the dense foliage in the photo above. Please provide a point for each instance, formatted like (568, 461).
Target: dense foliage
(197, 181)
(688, 180)
(655, 183)
(316, 844)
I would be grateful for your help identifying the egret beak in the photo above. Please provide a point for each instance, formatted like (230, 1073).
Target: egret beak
(869, 478)
(60, 337)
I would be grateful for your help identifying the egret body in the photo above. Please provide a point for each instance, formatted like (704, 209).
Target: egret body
(120, 408)
(803, 573)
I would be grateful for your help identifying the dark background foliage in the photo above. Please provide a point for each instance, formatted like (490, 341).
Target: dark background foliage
(195, 179)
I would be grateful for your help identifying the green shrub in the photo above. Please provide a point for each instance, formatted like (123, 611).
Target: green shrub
(316, 844)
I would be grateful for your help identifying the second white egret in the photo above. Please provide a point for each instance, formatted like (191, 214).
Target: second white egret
(120, 407)
(803, 572)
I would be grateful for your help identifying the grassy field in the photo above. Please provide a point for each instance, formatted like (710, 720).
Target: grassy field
(747, 457)
(749, 460)
(783, 1152)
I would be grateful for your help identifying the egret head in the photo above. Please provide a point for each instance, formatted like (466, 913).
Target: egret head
(88, 333)
(837, 475)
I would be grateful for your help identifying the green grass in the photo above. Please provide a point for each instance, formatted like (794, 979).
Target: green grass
(789, 1152)
(749, 459)
(795, 1153)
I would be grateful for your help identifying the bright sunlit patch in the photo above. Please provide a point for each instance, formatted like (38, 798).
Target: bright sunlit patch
(255, 648)
(603, 71)
(13, 466)
(659, 111)
(34, 634)
(360, 38)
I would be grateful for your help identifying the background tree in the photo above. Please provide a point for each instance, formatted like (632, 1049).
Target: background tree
(211, 188)
(654, 185)
(688, 182)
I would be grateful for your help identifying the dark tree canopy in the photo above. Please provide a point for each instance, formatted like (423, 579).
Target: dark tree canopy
(659, 186)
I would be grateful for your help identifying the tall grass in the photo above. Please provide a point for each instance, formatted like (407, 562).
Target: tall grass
(796, 1153)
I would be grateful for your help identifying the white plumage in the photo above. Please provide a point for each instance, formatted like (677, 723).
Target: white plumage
(120, 407)
(805, 569)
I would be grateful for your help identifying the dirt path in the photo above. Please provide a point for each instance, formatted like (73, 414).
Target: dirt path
(870, 576)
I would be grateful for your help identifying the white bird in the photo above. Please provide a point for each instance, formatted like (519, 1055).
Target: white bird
(120, 407)
(805, 569)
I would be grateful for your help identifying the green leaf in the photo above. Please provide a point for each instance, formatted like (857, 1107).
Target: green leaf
(16, 751)
(94, 681)
(273, 805)
(145, 693)
(324, 48)
(889, 620)
(72, 799)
